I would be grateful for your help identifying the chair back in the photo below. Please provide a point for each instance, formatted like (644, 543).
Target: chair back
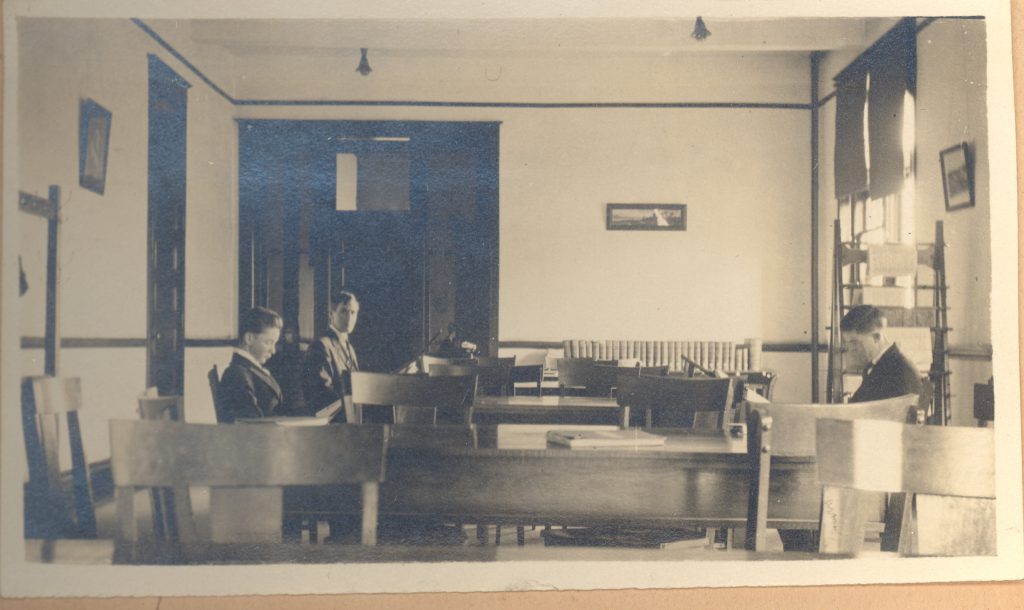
(168, 505)
(593, 379)
(762, 382)
(162, 407)
(783, 434)
(449, 398)
(250, 464)
(527, 373)
(950, 471)
(426, 361)
(214, 378)
(495, 375)
(49, 512)
(674, 401)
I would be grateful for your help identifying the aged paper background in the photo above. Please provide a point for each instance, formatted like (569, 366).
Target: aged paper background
(988, 595)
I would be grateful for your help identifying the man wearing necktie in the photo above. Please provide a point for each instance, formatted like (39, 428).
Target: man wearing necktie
(887, 372)
(331, 357)
(247, 389)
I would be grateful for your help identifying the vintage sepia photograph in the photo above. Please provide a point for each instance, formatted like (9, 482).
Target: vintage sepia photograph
(314, 299)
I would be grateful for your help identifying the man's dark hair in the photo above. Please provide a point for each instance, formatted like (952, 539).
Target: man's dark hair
(862, 319)
(257, 320)
(342, 297)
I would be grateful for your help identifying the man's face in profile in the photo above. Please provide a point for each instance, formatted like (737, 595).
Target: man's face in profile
(861, 348)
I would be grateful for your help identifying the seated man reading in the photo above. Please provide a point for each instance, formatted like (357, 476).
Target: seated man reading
(887, 372)
(247, 389)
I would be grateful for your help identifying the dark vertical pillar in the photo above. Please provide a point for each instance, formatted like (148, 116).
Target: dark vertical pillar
(52, 332)
(815, 339)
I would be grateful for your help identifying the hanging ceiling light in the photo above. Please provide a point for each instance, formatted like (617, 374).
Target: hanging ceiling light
(364, 64)
(700, 31)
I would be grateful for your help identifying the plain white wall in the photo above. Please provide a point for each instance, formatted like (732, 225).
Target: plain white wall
(103, 237)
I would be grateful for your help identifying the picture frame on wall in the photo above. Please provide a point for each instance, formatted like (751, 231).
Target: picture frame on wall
(957, 177)
(93, 145)
(646, 217)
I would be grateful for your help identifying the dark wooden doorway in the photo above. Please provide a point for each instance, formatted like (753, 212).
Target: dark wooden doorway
(168, 110)
(415, 269)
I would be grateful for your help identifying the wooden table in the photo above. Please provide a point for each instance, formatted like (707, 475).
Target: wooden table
(545, 410)
(508, 474)
(107, 552)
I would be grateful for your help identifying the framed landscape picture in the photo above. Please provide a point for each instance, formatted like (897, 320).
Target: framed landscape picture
(646, 217)
(957, 178)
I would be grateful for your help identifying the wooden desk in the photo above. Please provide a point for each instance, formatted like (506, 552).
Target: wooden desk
(512, 476)
(107, 552)
(545, 410)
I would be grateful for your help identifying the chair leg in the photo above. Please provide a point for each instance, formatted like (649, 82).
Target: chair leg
(481, 533)
(497, 534)
(313, 533)
(520, 535)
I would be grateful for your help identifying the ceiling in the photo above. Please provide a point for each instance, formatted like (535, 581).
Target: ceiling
(233, 52)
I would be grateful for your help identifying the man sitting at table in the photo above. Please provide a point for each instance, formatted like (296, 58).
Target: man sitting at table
(247, 389)
(887, 372)
(331, 357)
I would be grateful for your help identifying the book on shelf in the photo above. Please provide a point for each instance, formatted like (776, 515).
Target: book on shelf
(589, 439)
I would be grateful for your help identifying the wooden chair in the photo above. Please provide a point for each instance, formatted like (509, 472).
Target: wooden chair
(214, 378)
(528, 373)
(448, 399)
(781, 437)
(591, 379)
(246, 468)
(762, 382)
(171, 502)
(676, 402)
(948, 474)
(49, 511)
(495, 375)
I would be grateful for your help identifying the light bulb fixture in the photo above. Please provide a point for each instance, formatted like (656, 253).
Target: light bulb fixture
(364, 64)
(700, 31)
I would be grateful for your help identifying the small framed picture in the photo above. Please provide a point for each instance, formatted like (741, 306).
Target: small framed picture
(957, 177)
(93, 145)
(646, 217)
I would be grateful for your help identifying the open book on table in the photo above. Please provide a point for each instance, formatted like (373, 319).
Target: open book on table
(322, 418)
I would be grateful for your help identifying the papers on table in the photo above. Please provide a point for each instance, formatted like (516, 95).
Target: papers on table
(589, 439)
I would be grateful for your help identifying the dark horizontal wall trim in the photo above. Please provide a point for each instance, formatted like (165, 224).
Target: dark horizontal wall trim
(971, 352)
(226, 342)
(106, 342)
(734, 105)
(531, 344)
(85, 342)
(166, 45)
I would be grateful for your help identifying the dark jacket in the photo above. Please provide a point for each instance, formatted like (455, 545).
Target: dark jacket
(325, 376)
(892, 376)
(247, 391)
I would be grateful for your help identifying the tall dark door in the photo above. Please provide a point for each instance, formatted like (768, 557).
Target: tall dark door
(168, 101)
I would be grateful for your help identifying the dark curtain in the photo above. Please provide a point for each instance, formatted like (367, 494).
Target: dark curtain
(891, 64)
(851, 174)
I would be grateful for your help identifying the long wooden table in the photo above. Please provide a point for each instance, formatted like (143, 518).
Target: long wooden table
(107, 552)
(509, 474)
(545, 410)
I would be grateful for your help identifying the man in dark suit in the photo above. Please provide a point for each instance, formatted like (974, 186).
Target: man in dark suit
(888, 373)
(331, 357)
(247, 389)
